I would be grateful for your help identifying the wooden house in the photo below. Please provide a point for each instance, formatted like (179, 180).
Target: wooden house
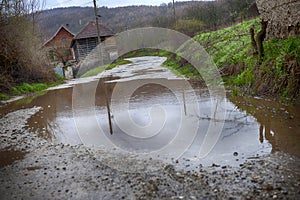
(58, 46)
(87, 39)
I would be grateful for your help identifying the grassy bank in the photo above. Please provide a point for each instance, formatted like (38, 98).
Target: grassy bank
(276, 75)
(174, 62)
(26, 88)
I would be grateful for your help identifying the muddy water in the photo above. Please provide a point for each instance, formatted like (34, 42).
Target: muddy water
(7, 157)
(253, 127)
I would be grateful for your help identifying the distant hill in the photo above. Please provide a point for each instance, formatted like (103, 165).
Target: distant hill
(118, 19)
(192, 16)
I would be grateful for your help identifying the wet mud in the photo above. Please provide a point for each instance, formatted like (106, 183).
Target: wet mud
(43, 156)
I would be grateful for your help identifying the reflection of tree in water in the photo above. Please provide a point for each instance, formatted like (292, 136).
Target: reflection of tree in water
(279, 124)
(265, 133)
(237, 121)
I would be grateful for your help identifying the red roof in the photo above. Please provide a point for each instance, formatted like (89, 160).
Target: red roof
(62, 28)
(90, 31)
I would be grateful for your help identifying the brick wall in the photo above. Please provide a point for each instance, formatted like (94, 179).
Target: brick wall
(60, 43)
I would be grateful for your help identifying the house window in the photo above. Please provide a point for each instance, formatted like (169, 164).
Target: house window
(63, 40)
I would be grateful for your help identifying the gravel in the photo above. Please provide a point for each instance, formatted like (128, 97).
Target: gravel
(51, 170)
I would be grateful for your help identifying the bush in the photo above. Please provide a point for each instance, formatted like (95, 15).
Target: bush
(21, 59)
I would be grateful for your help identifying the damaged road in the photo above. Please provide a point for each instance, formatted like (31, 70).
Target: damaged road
(54, 170)
(42, 156)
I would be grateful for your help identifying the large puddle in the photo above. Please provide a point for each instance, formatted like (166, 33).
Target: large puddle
(252, 127)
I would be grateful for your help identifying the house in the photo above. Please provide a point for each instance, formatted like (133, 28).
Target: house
(58, 46)
(87, 39)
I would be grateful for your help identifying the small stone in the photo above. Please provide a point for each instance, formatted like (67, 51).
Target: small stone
(235, 154)
(269, 187)
(285, 192)
(215, 165)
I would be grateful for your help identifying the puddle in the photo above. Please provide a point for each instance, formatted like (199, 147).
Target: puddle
(278, 124)
(7, 157)
(253, 126)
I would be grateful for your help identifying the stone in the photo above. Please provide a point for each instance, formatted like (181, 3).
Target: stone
(283, 17)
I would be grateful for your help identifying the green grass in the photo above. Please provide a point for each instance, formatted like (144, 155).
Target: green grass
(4, 97)
(26, 88)
(98, 70)
(174, 62)
(231, 45)
(231, 48)
(186, 69)
(94, 72)
(120, 62)
(274, 74)
(147, 52)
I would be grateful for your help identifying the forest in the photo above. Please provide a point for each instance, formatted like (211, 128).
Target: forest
(191, 17)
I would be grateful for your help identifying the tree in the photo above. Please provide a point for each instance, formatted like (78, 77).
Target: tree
(238, 9)
(208, 13)
(190, 27)
(20, 57)
(34, 7)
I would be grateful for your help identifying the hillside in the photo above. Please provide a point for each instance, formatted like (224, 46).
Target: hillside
(191, 17)
(276, 75)
(118, 19)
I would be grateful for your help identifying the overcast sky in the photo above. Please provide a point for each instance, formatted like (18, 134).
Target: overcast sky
(100, 3)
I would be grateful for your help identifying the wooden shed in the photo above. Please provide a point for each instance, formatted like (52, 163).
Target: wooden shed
(87, 39)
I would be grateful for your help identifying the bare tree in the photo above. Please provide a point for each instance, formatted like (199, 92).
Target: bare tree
(20, 57)
(34, 7)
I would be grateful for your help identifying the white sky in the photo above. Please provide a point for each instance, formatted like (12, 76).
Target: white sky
(100, 3)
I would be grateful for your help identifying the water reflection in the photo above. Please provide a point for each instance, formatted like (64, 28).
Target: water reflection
(252, 127)
(279, 124)
(241, 132)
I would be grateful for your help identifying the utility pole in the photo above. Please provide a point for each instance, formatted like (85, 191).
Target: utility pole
(101, 62)
(98, 32)
(97, 23)
(174, 13)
